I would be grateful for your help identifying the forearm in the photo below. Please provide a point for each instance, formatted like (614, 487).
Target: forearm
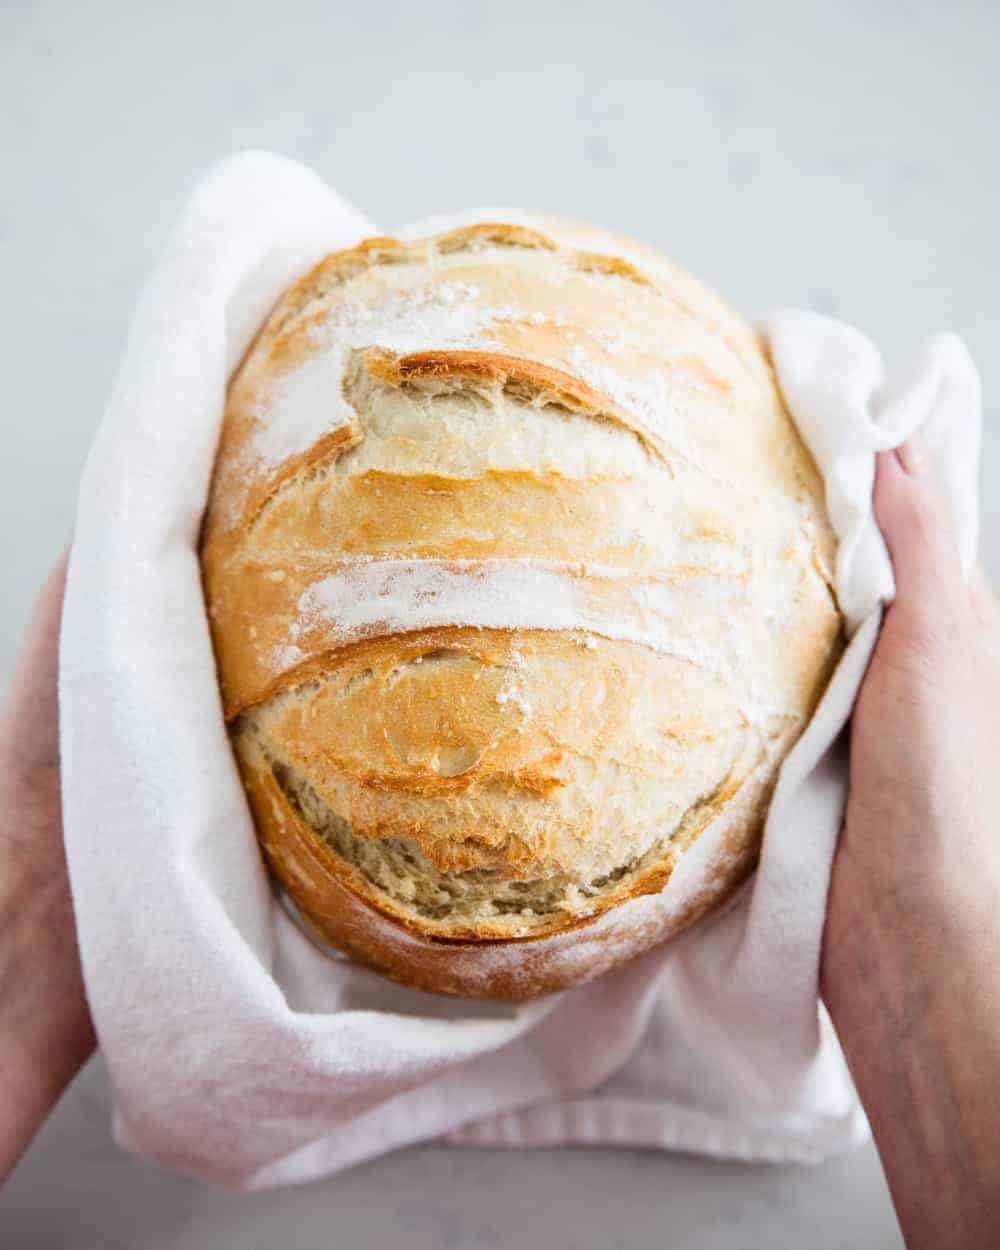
(918, 1015)
(45, 1030)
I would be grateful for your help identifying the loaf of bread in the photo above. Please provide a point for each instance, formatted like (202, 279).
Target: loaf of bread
(518, 577)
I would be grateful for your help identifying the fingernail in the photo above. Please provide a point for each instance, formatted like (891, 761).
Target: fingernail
(912, 457)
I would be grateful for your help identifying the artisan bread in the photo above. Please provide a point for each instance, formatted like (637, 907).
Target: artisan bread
(518, 577)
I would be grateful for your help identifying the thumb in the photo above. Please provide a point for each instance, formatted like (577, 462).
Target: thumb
(917, 526)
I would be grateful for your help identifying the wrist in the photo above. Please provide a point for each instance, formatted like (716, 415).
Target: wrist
(902, 974)
(45, 1028)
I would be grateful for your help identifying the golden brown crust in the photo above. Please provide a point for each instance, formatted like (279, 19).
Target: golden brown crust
(518, 579)
(403, 733)
(513, 969)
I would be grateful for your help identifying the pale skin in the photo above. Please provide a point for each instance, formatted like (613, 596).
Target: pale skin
(912, 940)
(912, 934)
(45, 1028)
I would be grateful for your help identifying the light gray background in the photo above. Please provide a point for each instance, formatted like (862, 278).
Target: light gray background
(839, 155)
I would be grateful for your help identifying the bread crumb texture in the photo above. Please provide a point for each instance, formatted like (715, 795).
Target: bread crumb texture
(519, 583)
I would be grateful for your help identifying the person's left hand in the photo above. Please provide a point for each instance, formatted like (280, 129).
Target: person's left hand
(45, 1027)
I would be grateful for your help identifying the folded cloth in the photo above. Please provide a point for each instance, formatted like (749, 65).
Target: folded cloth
(237, 1050)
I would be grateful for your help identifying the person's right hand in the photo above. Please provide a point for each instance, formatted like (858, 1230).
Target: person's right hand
(911, 954)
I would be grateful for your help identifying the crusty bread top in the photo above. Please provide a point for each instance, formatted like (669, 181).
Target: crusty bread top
(450, 466)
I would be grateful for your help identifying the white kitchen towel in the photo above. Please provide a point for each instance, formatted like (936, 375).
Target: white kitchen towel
(237, 1050)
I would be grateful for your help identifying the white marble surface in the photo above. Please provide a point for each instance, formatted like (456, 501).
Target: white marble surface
(76, 1191)
(837, 154)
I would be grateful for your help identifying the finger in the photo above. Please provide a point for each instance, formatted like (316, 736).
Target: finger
(31, 723)
(917, 526)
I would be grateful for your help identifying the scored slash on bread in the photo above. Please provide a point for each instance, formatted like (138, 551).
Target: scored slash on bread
(518, 579)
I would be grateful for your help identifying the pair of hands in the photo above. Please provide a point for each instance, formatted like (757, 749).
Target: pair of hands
(913, 919)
